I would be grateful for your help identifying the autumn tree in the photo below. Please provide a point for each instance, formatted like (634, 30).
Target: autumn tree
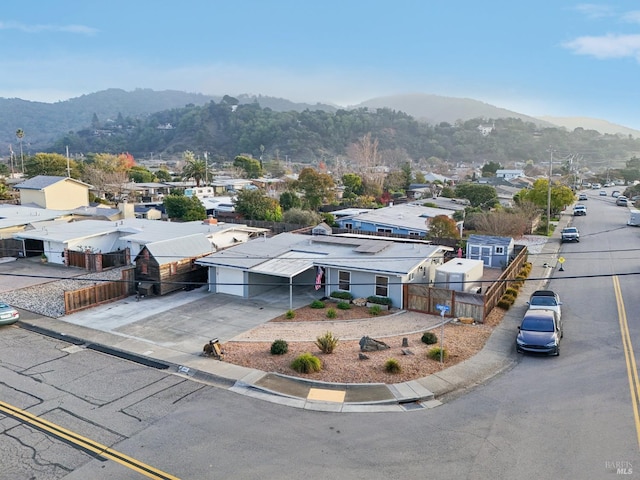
(502, 223)
(441, 226)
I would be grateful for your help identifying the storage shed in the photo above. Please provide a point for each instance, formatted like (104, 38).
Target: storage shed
(460, 274)
(494, 251)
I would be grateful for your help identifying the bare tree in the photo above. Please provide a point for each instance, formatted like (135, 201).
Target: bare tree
(109, 184)
(367, 159)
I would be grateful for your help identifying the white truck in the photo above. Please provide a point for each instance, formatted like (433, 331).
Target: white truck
(634, 218)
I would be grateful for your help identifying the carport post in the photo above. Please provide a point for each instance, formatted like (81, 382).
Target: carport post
(290, 293)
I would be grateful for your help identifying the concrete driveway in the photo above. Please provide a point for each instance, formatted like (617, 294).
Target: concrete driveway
(185, 321)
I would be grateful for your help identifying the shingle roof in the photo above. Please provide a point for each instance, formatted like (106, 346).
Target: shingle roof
(40, 182)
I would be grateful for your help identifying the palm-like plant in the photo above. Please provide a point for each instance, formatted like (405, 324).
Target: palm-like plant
(194, 168)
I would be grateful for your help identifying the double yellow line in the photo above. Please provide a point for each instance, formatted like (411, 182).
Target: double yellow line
(632, 370)
(85, 443)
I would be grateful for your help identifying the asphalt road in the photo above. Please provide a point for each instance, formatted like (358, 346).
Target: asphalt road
(569, 417)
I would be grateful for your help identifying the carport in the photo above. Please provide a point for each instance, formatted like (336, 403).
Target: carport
(292, 268)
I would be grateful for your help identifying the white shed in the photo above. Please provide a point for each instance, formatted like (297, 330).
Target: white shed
(460, 274)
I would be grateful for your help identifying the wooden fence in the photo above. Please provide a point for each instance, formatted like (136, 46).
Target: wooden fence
(100, 292)
(423, 298)
(97, 262)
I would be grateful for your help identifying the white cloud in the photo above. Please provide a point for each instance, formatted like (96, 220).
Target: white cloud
(632, 17)
(81, 29)
(592, 10)
(606, 46)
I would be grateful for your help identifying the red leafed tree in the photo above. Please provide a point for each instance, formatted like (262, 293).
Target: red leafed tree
(126, 160)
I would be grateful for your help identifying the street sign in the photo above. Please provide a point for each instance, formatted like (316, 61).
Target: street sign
(561, 260)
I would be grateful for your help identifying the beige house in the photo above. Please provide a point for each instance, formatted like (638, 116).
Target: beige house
(55, 193)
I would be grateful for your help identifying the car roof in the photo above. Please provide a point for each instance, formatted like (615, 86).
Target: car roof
(540, 313)
(544, 293)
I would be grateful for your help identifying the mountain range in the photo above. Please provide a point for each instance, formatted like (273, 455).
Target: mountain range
(43, 123)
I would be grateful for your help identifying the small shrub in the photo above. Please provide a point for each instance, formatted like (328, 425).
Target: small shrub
(380, 300)
(508, 298)
(317, 304)
(429, 338)
(511, 291)
(279, 347)
(375, 310)
(343, 305)
(521, 277)
(392, 366)
(306, 363)
(290, 314)
(341, 295)
(434, 353)
(331, 313)
(503, 304)
(327, 343)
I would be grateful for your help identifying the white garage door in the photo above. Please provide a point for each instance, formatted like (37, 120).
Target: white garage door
(230, 281)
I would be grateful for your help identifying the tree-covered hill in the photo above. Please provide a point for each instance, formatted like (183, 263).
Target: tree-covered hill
(229, 128)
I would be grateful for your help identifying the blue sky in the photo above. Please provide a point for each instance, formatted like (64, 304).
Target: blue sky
(550, 57)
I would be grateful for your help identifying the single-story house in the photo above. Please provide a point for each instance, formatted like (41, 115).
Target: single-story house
(494, 251)
(407, 219)
(56, 193)
(323, 264)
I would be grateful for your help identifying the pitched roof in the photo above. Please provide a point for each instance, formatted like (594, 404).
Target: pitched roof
(488, 240)
(176, 249)
(40, 182)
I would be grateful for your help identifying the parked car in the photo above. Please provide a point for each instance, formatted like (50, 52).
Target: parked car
(8, 314)
(545, 300)
(582, 197)
(569, 234)
(539, 332)
(622, 201)
(579, 210)
(615, 193)
(603, 193)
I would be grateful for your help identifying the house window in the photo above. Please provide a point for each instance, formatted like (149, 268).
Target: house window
(344, 280)
(383, 230)
(499, 250)
(411, 276)
(348, 226)
(415, 234)
(382, 286)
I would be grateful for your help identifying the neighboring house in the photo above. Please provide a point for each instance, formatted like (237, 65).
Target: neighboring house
(169, 265)
(407, 219)
(321, 229)
(323, 264)
(494, 251)
(97, 236)
(147, 192)
(56, 193)
(147, 212)
(509, 174)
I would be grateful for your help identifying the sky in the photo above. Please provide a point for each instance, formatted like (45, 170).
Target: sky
(549, 57)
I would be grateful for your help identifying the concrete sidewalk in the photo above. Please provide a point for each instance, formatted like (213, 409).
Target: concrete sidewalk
(497, 356)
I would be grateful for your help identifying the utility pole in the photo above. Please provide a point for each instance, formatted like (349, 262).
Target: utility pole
(549, 193)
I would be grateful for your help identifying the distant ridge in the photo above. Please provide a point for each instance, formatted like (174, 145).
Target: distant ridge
(435, 109)
(599, 125)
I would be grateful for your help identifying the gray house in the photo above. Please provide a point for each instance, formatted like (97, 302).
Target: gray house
(322, 264)
(494, 251)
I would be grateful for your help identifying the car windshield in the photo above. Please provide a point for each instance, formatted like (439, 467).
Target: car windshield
(570, 230)
(536, 324)
(544, 301)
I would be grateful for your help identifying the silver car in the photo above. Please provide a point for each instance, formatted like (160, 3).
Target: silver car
(8, 314)
(545, 300)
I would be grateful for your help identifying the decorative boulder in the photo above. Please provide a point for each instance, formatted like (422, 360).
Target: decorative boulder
(368, 344)
(359, 302)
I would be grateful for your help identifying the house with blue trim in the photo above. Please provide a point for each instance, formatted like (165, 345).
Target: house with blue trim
(494, 251)
(406, 219)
